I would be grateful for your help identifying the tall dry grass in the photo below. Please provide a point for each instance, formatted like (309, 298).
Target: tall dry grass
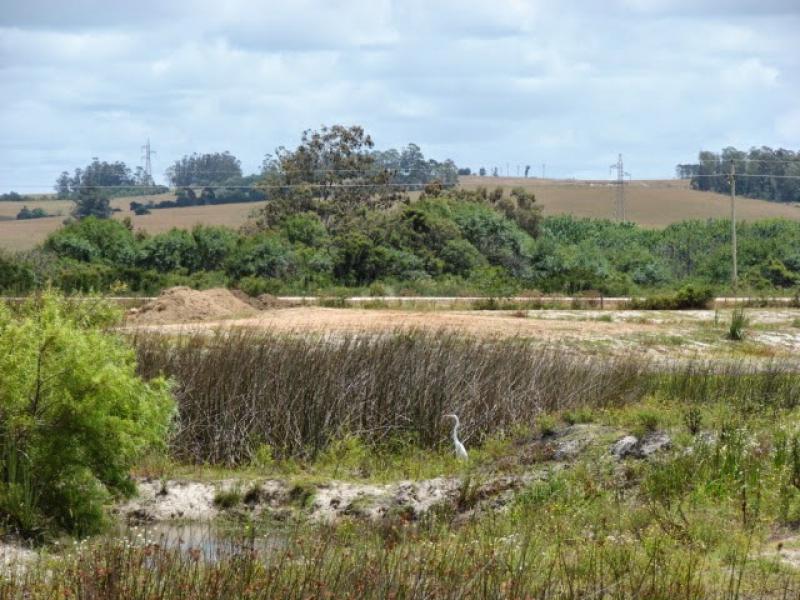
(239, 390)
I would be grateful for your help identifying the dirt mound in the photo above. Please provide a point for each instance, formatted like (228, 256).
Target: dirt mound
(185, 305)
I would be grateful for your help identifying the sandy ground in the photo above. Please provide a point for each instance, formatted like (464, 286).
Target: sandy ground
(771, 333)
(314, 319)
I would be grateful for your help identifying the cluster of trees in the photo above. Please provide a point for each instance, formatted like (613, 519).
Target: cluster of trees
(336, 163)
(760, 173)
(447, 242)
(208, 195)
(409, 166)
(205, 169)
(27, 213)
(11, 197)
(115, 179)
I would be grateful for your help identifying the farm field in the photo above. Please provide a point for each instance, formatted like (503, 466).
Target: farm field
(26, 234)
(649, 203)
(652, 203)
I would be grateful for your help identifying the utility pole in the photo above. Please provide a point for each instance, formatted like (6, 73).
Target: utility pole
(619, 211)
(148, 166)
(732, 180)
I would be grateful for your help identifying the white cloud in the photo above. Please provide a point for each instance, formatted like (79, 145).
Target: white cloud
(518, 81)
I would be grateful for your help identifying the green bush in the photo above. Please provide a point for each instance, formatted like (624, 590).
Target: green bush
(73, 415)
(688, 297)
(93, 239)
(255, 286)
(76, 276)
(16, 277)
(738, 323)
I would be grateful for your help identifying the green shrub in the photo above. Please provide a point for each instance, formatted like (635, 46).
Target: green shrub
(738, 322)
(255, 286)
(647, 421)
(92, 239)
(226, 499)
(688, 297)
(73, 415)
(76, 276)
(16, 277)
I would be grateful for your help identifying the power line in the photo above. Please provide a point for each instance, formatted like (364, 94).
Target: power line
(551, 183)
(620, 208)
(148, 166)
(746, 175)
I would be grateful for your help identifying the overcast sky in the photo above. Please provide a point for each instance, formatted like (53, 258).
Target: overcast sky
(515, 82)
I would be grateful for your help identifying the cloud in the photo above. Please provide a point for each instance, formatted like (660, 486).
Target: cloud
(517, 81)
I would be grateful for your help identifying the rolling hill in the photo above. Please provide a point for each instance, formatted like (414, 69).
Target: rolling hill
(652, 203)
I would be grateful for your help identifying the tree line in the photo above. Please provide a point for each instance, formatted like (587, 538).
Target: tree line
(447, 242)
(327, 162)
(770, 174)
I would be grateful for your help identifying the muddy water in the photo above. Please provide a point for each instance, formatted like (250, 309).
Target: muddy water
(207, 540)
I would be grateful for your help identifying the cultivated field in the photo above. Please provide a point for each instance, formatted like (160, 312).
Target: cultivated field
(655, 203)
(648, 203)
(24, 235)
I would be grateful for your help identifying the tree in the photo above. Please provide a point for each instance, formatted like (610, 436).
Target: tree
(527, 170)
(73, 415)
(63, 185)
(330, 159)
(333, 167)
(204, 169)
(91, 202)
(482, 171)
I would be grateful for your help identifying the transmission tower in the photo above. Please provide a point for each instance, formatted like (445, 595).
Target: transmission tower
(148, 166)
(619, 211)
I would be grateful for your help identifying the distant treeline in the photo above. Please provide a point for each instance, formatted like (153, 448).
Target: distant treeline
(448, 242)
(114, 179)
(11, 197)
(189, 197)
(217, 178)
(760, 173)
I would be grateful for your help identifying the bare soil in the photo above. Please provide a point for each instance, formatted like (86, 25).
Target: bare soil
(314, 319)
(183, 304)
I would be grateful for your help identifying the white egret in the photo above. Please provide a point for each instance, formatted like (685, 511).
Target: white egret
(461, 452)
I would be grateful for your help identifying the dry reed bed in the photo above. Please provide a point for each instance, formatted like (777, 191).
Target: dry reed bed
(239, 390)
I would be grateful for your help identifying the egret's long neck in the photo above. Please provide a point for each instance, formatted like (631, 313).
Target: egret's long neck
(455, 430)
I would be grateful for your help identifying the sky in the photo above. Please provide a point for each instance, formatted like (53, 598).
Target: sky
(505, 83)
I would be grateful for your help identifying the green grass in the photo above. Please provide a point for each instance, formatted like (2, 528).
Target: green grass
(690, 524)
